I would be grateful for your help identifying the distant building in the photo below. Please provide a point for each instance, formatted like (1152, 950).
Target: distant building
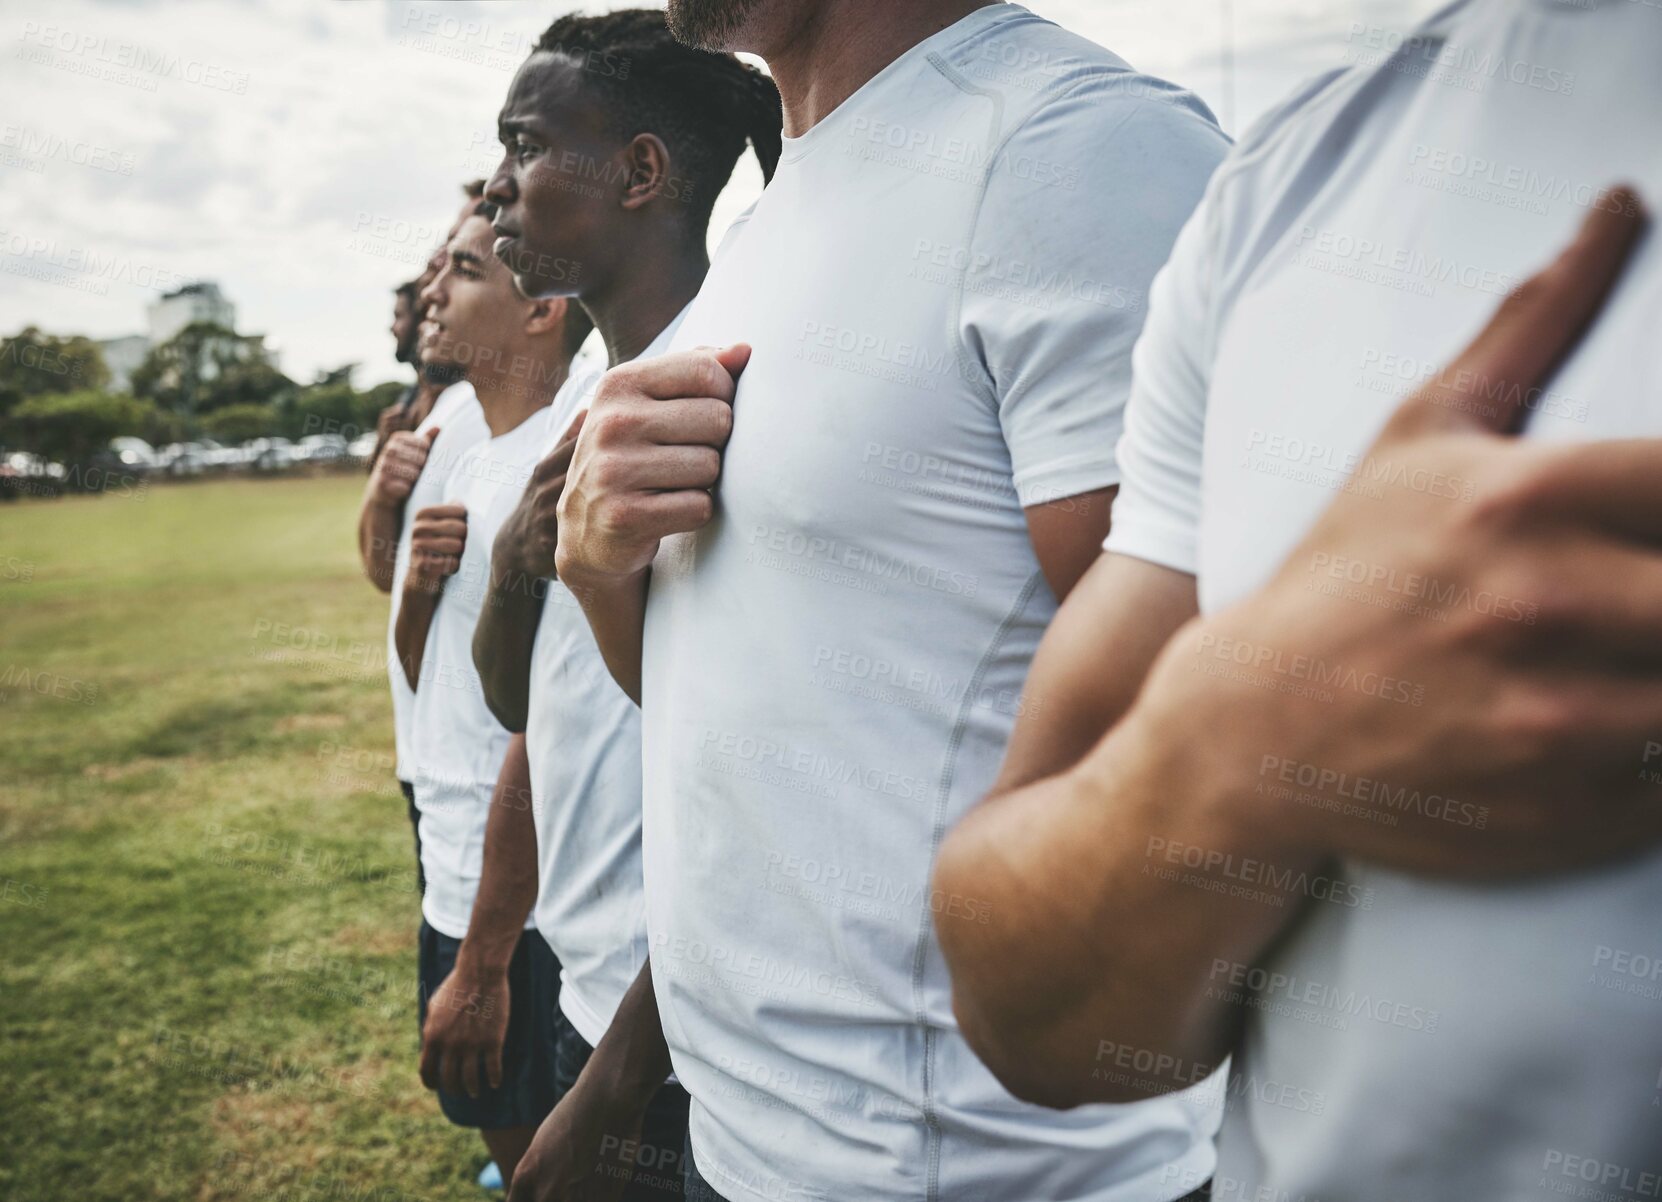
(166, 316)
(201, 301)
(123, 356)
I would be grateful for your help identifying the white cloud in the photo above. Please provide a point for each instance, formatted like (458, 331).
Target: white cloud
(254, 144)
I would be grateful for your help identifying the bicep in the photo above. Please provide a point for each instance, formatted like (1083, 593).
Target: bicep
(1067, 536)
(1092, 662)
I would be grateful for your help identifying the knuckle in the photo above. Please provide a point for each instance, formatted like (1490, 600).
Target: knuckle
(1509, 492)
(721, 417)
(619, 424)
(618, 383)
(1535, 721)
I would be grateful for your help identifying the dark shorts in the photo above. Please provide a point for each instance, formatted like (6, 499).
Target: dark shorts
(697, 1189)
(658, 1161)
(415, 829)
(527, 1092)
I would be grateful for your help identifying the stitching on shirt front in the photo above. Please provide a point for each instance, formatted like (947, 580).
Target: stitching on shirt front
(937, 830)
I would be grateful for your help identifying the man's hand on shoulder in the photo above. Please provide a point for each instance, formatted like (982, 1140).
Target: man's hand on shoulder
(400, 466)
(646, 461)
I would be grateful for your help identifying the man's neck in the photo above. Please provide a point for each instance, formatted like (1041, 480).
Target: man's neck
(844, 44)
(509, 397)
(634, 309)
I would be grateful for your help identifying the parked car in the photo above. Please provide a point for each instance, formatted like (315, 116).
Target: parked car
(135, 455)
(269, 454)
(25, 474)
(323, 448)
(183, 459)
(362, 447)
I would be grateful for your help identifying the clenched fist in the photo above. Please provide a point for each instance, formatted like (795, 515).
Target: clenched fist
(525, 545)
(399, 466)
(436, 544)
(645, 462)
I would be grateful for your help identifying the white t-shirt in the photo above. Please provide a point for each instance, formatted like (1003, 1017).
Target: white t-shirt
(1427, 1040)
(461, 423)
(942, 285)
(456, 744)
(583, 738)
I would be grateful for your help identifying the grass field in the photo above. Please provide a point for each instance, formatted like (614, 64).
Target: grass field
(207, 906)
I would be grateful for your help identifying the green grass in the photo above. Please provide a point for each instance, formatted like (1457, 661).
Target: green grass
(207, 907)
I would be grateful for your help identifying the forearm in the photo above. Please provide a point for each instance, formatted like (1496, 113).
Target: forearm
(616, 612)
(502, 644)
(508, 878)
(1092, 936)
(415, 618)
(633, 1056)
(379, 526)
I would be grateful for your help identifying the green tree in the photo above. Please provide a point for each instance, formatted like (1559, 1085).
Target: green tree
(36, 364)
(206, 367)
(238, 423)
(70, 428)
(331, 405)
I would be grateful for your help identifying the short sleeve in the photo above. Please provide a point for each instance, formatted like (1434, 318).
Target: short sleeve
(1081, 208)
(1157, 512)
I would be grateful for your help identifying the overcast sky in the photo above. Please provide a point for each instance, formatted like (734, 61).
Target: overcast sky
(306, 153)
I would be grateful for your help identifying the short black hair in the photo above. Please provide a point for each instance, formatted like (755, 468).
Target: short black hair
(705, 105)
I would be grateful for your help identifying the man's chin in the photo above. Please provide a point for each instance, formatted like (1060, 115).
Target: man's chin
(708, 24)
(442, 373)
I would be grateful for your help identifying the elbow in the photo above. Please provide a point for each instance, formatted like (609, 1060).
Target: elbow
(1024, 1003)
(1016, 1055)
(982, 946)
(509, 711)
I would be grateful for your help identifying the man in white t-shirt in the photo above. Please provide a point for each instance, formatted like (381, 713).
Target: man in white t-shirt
(1383, 821)
(449, 421)
(936, 296)
(487, 1005)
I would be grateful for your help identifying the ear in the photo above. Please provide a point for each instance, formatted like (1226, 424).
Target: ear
(647, 161)
(546, 316)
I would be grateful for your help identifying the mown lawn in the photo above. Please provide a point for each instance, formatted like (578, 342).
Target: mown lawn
(207, 906)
